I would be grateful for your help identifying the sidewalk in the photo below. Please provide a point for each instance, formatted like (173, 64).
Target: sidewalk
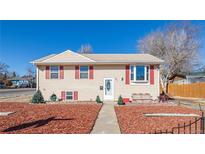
(106, 122)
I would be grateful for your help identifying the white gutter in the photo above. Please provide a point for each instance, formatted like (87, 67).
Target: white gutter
(101, 62)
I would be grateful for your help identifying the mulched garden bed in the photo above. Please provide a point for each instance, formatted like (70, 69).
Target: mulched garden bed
(132, 120)
(48, 118)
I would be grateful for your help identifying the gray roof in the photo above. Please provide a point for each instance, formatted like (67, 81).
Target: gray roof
(70, 57)
(123, 58)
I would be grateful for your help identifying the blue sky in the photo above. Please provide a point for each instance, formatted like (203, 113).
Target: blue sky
(24, 41)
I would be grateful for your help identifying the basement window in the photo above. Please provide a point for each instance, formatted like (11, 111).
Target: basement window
(69, 95)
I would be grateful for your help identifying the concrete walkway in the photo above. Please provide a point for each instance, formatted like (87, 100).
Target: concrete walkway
(106, 122)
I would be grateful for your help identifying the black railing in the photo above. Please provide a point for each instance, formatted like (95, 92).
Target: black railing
(195, 127)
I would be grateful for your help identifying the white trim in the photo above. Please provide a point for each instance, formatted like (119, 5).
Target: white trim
(82, 56)
(54, 56)
(42, 59)
(37, 78)
(113, 92)
(158, 81)
(69, 51)
(140, 82)
(154, 61)
(95, 62)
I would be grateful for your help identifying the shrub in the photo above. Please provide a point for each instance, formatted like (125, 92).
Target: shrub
(8, 83)
(53, 97)
(98, 99)
(120, 101)
(38, 97)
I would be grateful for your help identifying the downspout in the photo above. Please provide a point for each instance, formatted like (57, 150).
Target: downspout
(37, 78)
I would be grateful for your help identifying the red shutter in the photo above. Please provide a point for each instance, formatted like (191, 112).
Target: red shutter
(127, 74)
(75, 95)
(91, 71)
(77, 72)
(47, 72)
(61, 72)
(151, 74)
(63, 95)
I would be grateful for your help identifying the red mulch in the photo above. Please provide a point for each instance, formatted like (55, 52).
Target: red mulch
(48, 118)
(132, 120)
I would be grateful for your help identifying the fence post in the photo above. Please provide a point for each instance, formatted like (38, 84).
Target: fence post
(184, 129)
(202, 124)
(196, 126)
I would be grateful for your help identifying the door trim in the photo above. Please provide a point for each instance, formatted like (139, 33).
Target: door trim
(112, 85)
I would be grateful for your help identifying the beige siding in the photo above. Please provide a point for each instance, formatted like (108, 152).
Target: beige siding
(68, 57)
(89, 89)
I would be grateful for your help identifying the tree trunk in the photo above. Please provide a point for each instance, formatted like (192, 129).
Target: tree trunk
(162, 85)
(167, 87)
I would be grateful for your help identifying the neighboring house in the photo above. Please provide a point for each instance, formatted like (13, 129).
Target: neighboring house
(19, 82)
(194, 77)
(178, 79)
(73, 76)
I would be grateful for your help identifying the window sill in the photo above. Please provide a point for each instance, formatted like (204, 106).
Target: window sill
(140, 83)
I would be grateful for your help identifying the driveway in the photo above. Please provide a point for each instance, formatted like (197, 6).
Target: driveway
(16, 95)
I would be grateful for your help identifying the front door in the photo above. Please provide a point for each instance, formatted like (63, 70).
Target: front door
(108, 89)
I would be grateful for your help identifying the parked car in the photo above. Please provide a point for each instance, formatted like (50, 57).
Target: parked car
(23, 84)
(2, 85)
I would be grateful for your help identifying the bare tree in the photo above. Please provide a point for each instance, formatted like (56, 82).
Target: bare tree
(3, 70)
(30, 72)
(85, 49)
(30, 75)
(13, 74)
(177, 44)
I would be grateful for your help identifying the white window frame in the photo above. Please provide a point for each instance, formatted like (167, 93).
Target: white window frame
(84, 71)
(70, 95)
(146, 80)
(54, 72)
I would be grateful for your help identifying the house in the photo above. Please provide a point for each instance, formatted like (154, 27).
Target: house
(178, 79)
(194, 77)
(19, 82)
(72, 76)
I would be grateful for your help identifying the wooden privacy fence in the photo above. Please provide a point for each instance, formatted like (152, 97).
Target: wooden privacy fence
(196, 90)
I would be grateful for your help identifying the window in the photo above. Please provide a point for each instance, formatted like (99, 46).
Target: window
(69, 95)
(132, 73)
(83, 72)
(54, 72)
(139, 73)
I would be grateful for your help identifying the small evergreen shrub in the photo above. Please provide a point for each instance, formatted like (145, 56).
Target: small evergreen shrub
(120, 101)
(53, 97)
(38, 97)
(98, 99)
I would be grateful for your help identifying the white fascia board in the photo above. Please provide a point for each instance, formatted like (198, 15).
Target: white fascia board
(97, 63)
